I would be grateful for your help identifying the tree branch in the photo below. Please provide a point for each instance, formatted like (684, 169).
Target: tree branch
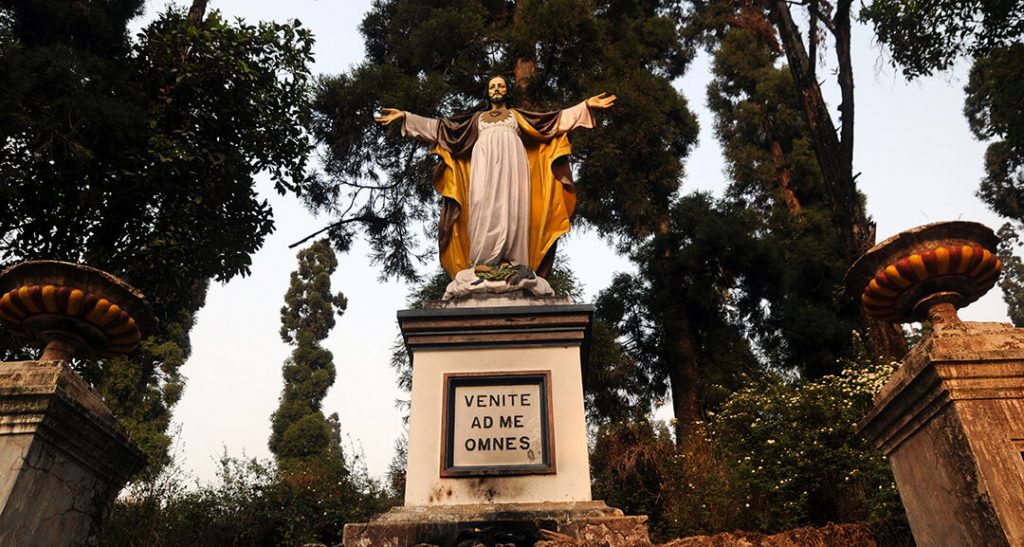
(360, 218)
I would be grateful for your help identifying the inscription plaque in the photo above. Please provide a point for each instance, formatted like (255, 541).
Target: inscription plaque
(497, 424)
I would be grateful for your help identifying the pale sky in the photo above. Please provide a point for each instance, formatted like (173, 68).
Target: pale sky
(918, 163)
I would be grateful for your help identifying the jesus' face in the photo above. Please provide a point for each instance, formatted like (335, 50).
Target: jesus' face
(497, 90)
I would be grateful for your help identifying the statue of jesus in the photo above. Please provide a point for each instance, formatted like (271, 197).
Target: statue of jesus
(504, 177)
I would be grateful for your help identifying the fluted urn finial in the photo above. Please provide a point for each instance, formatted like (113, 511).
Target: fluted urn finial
(72, 310)
(926, 272)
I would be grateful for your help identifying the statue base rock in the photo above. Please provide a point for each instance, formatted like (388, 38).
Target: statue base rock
(466, 283)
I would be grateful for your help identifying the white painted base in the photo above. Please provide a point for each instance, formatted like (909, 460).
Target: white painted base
(570, 483)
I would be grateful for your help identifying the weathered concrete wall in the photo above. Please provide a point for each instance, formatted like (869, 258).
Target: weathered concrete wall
(63, 456)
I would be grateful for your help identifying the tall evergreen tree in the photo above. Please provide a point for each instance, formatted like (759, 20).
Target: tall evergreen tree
(433, 58)
(710, 20)
(138, 157)
(301, 436)
(674, 315)
(791, 301)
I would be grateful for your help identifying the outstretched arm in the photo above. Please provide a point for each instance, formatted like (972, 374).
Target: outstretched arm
(416, 127)
(580, 115)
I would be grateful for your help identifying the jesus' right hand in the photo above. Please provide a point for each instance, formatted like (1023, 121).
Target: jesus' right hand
(389, 116)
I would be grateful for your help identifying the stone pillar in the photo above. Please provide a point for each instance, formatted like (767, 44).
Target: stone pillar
(63, 456)
(951, 422)
(497, 430)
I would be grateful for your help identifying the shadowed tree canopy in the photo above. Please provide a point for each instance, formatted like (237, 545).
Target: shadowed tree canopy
(790, 303)
(928, 37)
(138, 156)
(825, 25)
(434, 58)
(674, 315)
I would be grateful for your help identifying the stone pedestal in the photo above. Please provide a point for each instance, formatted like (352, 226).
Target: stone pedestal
(63, 456)
(497, 430)
(951, 422)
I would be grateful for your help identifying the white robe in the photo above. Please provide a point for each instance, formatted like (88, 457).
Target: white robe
(499, 182)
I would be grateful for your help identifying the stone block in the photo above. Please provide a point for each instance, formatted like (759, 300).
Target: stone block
(63, 456)
(951, 422)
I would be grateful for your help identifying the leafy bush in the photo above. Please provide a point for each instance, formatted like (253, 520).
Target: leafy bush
(638, 468)
(795, 457)
(774, 456)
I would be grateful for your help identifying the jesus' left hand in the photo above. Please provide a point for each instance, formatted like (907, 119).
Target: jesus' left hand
(601, 101)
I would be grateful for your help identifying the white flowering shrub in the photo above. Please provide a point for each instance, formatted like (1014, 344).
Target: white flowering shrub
(794, 455)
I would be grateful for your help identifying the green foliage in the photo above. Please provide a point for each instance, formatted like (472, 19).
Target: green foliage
(615, 387)
(138, 157)
(925, 37)
(1012, 279)
(302, 439)
(674, 314)
(637, 467)
(774, 456)
(249, 504)
(434, 57)
(311, 467)
(396, 468)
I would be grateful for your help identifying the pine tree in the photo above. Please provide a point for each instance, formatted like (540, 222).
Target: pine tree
(674, 315)
(433, 57)
(773, 21)
(302, 437)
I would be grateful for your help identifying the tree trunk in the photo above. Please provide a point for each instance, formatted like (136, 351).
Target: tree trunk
(680, 357)
(526, 70)
(197, 11)
(835, 153)
(856, 232)
(784, 173)
(526, 66)
(683, 378)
